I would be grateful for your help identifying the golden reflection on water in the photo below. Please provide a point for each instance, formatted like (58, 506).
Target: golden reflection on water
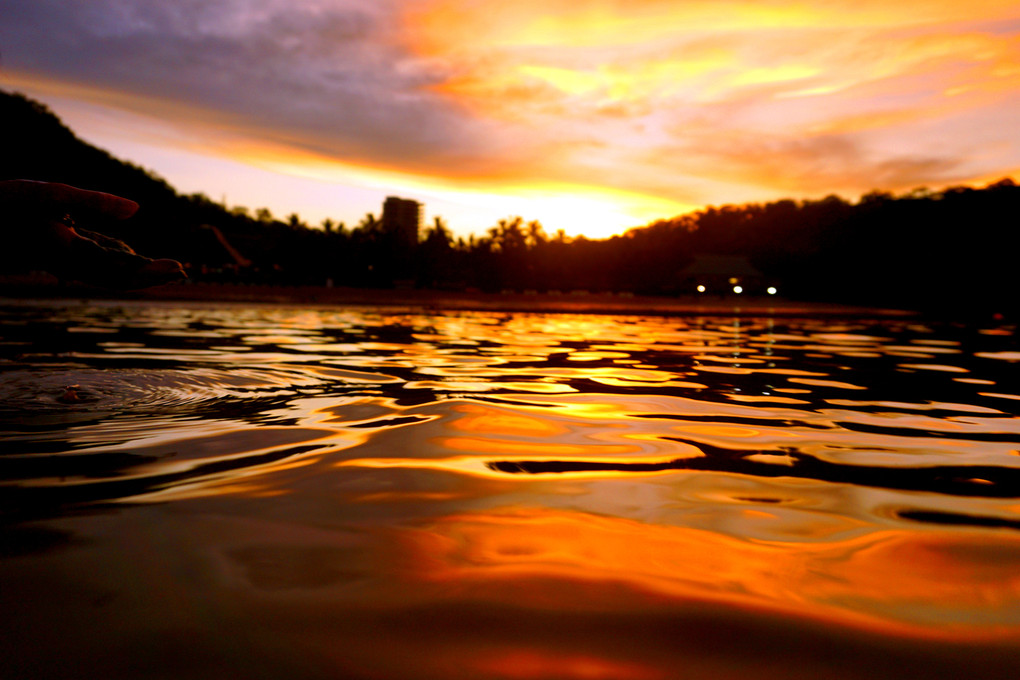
(514, 496)
(884, 581)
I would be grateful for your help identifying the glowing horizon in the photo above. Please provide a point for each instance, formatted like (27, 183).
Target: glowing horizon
(592, 117)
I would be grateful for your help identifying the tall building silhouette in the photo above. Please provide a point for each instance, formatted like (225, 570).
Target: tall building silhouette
(401, 220)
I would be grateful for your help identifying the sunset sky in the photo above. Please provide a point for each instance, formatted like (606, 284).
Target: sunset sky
(591, 116)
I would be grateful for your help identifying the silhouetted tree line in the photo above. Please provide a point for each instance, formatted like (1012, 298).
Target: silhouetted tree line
(927, 249)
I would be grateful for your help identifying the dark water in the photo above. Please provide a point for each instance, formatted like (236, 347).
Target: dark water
(267, 492)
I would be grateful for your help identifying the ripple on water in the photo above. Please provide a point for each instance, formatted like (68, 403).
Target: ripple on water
(803, 469)
(82, 389)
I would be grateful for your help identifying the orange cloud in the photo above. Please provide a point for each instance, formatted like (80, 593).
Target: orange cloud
(588, 115)
(766, 85)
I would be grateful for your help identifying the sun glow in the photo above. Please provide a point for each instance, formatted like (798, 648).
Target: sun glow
(589, 116)
(715, 102)
(258, 168)
(576, 209)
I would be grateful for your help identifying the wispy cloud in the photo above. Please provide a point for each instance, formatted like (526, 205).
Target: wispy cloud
(683, 103)
(324, 76)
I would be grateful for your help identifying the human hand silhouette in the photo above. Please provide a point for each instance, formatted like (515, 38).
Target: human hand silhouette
(41, 232)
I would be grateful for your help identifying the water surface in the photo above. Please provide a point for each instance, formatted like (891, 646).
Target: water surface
(373, 493)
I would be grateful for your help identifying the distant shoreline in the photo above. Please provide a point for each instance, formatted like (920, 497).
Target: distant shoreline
(576, 302)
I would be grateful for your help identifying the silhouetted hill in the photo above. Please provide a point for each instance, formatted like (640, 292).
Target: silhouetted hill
(44, 148)
(948, 251)
(168, 224)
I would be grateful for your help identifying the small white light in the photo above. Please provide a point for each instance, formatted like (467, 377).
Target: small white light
(701, 289)
(772, 290)
(738, 289)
